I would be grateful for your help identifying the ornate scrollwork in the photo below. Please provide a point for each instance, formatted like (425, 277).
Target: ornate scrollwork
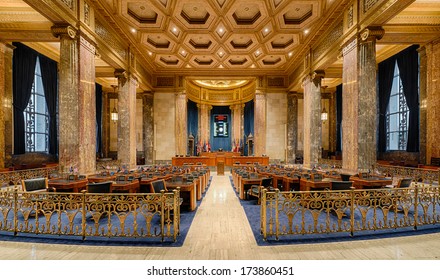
(63, 30)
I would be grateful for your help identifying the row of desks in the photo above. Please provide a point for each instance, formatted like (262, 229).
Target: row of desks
(289, 183)
(190, 191)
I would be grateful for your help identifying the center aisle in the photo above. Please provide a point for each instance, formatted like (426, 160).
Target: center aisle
(220, 229)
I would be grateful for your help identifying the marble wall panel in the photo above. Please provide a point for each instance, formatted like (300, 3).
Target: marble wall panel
(433, 100)
(148, 127)
(164, 122)
(181, 123)
(260, 119)
(276, 126)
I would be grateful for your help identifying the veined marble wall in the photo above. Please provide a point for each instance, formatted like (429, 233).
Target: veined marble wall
(164, 123)
(300, 143)
(433, 100)
(139, 125)
(276, 126)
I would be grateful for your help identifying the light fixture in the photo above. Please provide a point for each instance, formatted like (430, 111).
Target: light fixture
(324, 114)
(114, 113)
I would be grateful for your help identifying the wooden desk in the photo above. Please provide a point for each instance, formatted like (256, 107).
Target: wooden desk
(64, 185)
(288, 181)
(246, 183)
(370, 183)
(307, 185)
(187, 192)
(125, 186)
(96, 178)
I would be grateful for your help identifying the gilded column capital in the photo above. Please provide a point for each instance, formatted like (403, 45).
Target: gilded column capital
(121, 75)
(63, 31)
(372, 33)
(317, 75)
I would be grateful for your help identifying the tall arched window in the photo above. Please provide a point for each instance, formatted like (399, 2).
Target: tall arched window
(36, 117)
(397, 116)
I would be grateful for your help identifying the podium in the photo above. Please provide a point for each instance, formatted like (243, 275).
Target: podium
(220, 164)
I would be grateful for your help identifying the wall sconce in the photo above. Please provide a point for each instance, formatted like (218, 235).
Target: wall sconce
(324, 115)
(114, 113)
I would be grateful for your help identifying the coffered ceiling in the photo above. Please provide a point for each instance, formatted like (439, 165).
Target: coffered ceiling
(218, 38)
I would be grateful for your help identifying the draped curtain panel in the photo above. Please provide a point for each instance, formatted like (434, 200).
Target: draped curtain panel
(49, 75)
(339, 118)
(98, 93)
(221, 142)
(248, 123)
(386, 75)
(24, 60)
(193, 123)
(408, 62)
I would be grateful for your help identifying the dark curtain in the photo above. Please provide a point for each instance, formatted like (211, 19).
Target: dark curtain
(49, 75)
(24, 60)
(98, 95)
(339, 118)
(408, 62)
(220, 142)
(193, 123)
(386, 75)
(248, 123)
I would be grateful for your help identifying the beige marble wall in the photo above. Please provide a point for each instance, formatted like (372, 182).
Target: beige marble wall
(139, 125)
(276, 126)
(164, 122)
(181, 123)
(260, 124)
(433, 100)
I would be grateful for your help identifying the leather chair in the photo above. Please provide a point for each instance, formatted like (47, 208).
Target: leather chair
(101, 187)
(255, 190)
(342, 185)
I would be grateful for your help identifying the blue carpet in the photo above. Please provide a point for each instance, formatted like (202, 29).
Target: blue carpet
(252, 211)
(186, 218)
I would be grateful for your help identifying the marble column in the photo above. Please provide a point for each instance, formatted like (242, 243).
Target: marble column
(148, 126)
(423, 101)
(292, 126)
(332, 122)
(433, 99)
(126, 118)
(77, 111)
(312, 119)
(360, 102)
(237, 123)
(204, 122)
(6, 129)
(260, 123)
(181, 123)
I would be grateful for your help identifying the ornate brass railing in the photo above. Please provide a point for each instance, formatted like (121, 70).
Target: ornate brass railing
(418, 174)
(326, 212)
(151, 215)
(15, 177)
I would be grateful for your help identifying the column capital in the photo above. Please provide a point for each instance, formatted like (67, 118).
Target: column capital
(147, 94)
(237, 106)
(372, 33)
(63, 30)
(318, 75)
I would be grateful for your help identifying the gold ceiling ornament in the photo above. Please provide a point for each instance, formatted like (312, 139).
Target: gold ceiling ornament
(221, 92)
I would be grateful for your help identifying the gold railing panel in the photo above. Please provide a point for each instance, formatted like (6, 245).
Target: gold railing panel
(15, 177)
(326, 212)
(91, 215)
